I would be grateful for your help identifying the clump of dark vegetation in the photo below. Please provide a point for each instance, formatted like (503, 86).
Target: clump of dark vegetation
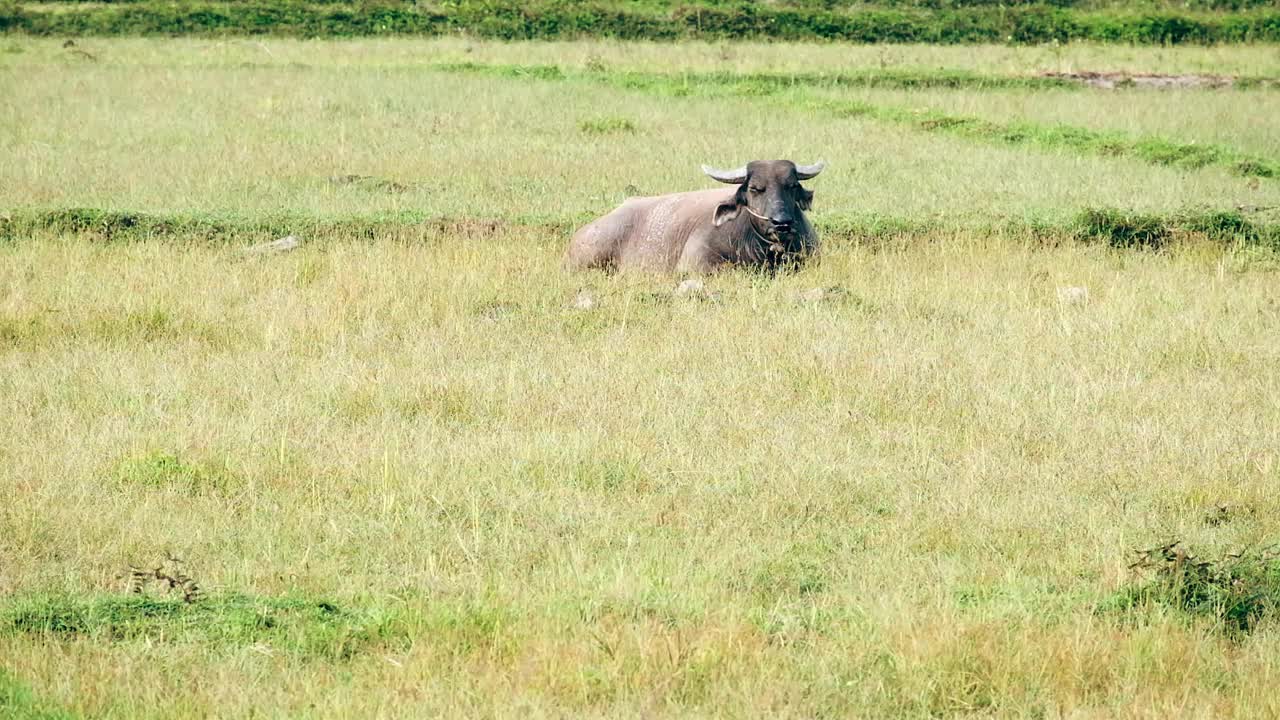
(1224, 225)
(165, 604)
(164, 470)
(300, 626)
(1223, 514)
(169, 576)
(893, 21)
(1122, 229)
(122, 227)
(1236, 591)
(606, 125)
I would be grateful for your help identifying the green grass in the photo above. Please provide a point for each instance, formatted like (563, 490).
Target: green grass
(210, 158)
(1158, 150)
(1239, 592)
(310, 629)
(606, 125)
(656, 5)
(19, 703)
(411, 476)
(1238, 120)
(160, 470)
(1023, 23)
(1109, 224)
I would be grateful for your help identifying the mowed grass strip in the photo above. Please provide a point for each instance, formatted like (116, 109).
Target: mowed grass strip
(328, 150)
(1237, 120)
(1156, 150)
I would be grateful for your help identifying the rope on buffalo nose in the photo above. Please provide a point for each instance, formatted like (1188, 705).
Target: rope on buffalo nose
(774, 245)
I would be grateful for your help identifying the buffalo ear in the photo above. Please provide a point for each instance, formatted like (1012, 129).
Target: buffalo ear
(727, 211)
(804, 198)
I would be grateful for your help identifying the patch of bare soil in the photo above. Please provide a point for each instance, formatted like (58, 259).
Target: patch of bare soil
(1112, 80)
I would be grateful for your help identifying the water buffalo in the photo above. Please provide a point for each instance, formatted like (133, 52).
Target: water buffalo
(760, 222)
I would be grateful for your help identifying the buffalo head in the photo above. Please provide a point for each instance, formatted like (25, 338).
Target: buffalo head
(768, 190)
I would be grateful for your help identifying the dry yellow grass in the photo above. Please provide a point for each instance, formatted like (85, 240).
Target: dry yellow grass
(914, 497)
(907, 500)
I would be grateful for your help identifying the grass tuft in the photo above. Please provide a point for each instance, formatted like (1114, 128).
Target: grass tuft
(1236, 591)
(163, 470)
(1223, 225)
(801, 571)
(607, 125)
(1121, 229)
(1255, 168)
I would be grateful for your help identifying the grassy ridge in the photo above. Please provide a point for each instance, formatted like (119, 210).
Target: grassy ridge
(1156, 150)
(124, 226)
(1118, 228)
(553, 20)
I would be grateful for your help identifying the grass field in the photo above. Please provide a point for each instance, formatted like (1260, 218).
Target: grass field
(411, 479)
(1250, 60)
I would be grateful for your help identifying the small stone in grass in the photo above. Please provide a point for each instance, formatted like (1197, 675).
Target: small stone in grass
(284, 244)
(1073, 295)
(692, 286)
(584, 301)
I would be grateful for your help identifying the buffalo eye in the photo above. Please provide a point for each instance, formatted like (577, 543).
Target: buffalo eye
(756, 189)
